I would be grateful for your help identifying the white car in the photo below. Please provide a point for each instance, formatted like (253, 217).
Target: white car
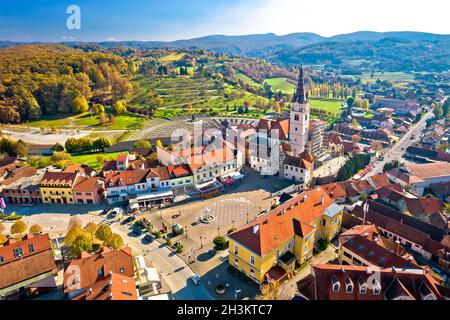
(196, 279)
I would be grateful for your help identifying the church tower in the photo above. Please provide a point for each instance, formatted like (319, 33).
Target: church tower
(299, 118)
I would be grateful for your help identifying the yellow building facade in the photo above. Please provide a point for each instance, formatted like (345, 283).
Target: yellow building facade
(271, 247)
(57, 187)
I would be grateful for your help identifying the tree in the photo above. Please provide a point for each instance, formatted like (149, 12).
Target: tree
(3, 239)
(91, 228)
(376, 146)
(75, 222)
(101, 144)
(113, 242)
(159, 144)
(58, 147)
(72, 234)
(144, 144)
(438, 112)
(355, 138)
(119, 108)
(98, 108)
(80, 104)
(81, 243)
(61, 159)
(20, 149)
(355, 123)
(220, 243)
(35, 229)
(269, 291)
(103, 232)
(19, 228)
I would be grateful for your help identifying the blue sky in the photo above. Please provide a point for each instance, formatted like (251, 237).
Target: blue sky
(45, 20)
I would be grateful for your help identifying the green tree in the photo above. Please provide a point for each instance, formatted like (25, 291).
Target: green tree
(103, 232)
(119, 108)
(58, 147)
(101, 144)
(220, 243)
(145, 144)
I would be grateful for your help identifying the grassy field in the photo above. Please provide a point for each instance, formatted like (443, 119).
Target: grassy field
(91, 159)
(171, 57)
(247, 80)
(281, 84)
(329, 105)
(84, 120)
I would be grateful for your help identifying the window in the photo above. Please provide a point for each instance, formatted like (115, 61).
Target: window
(363, 289)
(18, 252)
(236, 263)
(31, 247)
(122, 270)
(252, 260)
(2, 259)
(236, 250)
(252, 273)
(335, 284)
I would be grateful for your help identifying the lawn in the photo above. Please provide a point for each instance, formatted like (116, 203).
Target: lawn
(394, 77)
(281, 84)
(91, 159)
(84, 120)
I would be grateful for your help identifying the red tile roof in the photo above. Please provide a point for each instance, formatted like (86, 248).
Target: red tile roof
(66, 179)
(269, 231)
(33, 263)
(414, 283)
(109, 274)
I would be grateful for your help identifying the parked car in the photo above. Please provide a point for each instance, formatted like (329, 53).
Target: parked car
(196, 279)
(137, 230)
(128, 220)
(149, 237)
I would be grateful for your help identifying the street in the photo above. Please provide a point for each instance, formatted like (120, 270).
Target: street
(396, 151)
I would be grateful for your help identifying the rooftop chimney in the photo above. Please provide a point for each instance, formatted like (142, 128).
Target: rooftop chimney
(322, 199)
(255, 228)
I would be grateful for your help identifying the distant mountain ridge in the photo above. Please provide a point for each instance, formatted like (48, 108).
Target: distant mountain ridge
(261, 45)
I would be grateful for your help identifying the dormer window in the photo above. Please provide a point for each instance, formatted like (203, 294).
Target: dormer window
(335, 284)
(348, 285)
(376, 287)
(18, 252)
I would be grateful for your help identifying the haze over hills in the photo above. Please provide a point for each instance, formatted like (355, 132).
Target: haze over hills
(387, 51)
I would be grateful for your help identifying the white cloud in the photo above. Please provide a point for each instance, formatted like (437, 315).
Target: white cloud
(111, 39)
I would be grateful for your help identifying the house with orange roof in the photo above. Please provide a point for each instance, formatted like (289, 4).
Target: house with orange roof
(108, 275)
(27, 266)
(89, 190)
(270, 247)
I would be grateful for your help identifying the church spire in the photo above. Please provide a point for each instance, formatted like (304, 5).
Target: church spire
(300, 95)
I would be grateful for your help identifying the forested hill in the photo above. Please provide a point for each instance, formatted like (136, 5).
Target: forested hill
(40, 80)
(387, 54)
